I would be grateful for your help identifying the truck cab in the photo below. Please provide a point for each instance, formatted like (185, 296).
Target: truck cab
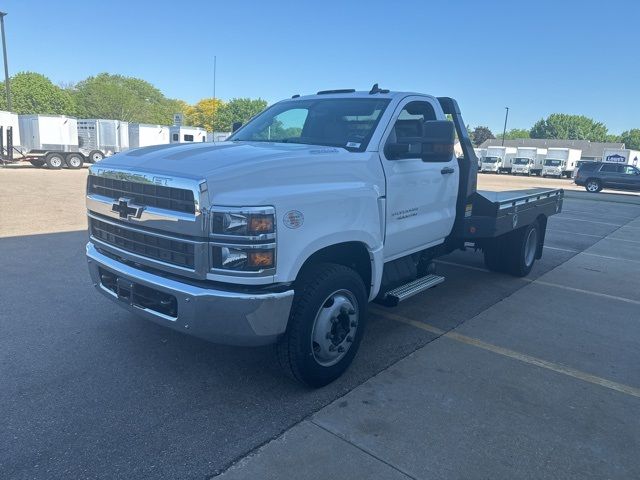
(284, 233)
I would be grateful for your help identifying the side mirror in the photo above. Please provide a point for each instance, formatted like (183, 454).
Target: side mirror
(236, 126)
(395, 151)
(438, 137)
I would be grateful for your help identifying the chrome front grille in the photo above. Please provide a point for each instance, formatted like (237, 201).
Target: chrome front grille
(147, 194)
(173, 251)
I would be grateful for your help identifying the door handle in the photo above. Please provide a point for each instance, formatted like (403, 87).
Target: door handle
(447, 170)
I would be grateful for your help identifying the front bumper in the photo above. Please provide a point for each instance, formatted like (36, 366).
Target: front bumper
(220, 316)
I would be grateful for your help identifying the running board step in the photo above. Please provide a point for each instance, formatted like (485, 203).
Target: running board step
(397, 295)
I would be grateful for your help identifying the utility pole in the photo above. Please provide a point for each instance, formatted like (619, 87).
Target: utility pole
(213, 122)
(6, 66)
(504, 131)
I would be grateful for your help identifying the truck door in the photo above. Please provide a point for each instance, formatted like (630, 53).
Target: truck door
(421, 196)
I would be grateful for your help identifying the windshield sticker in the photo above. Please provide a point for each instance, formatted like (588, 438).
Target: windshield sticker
(353, 145)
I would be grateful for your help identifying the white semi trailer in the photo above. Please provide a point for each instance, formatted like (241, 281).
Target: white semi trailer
(498, 159)
(144, 135)
(99, 138)
(186, 134)
(622, 156)
(528, 161)
(560, 162)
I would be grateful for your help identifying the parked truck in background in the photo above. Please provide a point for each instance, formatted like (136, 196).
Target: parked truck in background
(145, 135)
(285, 233)
(560, 162)
(498, 159)
(528, 161)
(480, 154)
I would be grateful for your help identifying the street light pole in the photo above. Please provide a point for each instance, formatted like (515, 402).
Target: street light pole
(504, 131)
(6, 66)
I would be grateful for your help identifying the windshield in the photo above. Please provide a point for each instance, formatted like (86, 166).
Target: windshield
(553, 163)
(521, 161)
(332, 122)
(489, 159)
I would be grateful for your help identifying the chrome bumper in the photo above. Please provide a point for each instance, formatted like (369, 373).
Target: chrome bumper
(219, 316)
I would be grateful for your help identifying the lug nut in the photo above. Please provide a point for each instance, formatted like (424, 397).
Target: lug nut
(340, 349)
(349, 339)
(332, 348)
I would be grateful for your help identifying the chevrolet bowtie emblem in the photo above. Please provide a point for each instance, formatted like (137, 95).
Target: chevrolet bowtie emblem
(126, 209)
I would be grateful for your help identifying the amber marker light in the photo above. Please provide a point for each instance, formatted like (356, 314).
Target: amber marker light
(262, 259)
(261, 224)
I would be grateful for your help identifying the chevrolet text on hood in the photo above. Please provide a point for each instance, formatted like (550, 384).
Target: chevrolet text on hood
(284, 233)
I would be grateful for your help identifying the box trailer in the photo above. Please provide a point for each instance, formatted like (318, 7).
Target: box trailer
(560, 162)
(50, 140)
(144, 135)
(182, 134)
(217, 136)
(528, 161)
(99, 138)
(9, 142)
(623, 156)
(498, 159)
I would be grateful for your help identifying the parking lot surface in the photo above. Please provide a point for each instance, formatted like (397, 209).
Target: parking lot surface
(91, 391)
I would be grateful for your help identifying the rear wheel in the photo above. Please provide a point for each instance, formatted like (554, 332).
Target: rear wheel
(515, 252)
(54, 160)
(593, 185)
(74, 160)
(326, 324)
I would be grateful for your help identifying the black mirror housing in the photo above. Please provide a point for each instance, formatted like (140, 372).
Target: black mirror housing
(396, 151)
(438, 138)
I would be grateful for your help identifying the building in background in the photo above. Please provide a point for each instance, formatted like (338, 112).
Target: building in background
(591, 151)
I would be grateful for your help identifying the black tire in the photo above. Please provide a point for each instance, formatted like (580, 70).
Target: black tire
(95, 156)
(593, 185)
(37, 163)
(315, 296)
(74, 160)
(54, 161)
(521, 249)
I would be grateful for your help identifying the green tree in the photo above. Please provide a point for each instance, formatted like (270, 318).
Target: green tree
(569, 127)
(124, 98)
(516, 133)
(631, 138)
(480, 134)
(34, 93)
(238, 110)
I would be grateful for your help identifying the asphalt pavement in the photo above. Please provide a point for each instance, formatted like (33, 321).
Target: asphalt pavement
(91, 391)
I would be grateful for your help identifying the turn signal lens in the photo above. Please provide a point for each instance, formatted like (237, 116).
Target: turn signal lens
(261, 223)
(261, 259)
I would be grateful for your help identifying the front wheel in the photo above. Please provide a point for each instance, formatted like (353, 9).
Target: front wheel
(54, 161)
(74, 160)
(592, 185)
(326, 324)
(96, 156)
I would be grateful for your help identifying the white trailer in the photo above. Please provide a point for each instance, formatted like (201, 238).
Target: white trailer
(217, 136)
(498, 159)
(623, 156)
(528, 161)
(50, 140)
(144, 135)
(185, 134)
(560, 162)
(10, 120)
(480, 153)
(99, 138)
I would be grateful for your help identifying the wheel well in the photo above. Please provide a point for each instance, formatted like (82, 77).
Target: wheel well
(350, 254)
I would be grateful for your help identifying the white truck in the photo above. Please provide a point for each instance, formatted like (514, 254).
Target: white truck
(284, 234)
(146, 135)
(623, 156)
(498, 159)
(560, 162)
(480, 154)
(528, 161)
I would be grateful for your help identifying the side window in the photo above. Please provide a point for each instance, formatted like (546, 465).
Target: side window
(609, 168)
(406, 135)
(176, 137)
(188, 138)
(629, 170)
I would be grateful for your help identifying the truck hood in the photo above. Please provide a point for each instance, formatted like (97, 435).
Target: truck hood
(239, 169)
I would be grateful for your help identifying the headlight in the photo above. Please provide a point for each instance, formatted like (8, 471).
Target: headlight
(243, 240)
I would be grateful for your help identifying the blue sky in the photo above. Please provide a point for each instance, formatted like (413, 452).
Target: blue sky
(580, 57)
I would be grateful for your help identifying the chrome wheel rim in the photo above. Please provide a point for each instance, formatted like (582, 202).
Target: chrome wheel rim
(55, 161)
(530, 247)
(75, 162)
(592, 186)
(334, 328)
(97, 157)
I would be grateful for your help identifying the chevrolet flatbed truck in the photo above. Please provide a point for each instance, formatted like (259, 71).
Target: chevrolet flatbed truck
(284, 233)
